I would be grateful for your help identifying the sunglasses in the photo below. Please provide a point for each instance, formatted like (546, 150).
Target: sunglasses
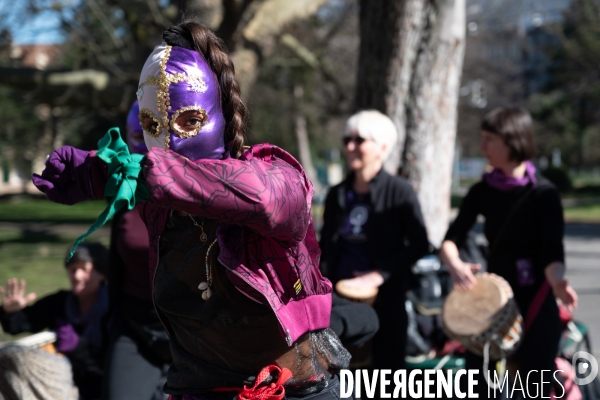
(356, 139)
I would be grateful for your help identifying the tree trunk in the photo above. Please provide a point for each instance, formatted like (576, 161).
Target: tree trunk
(410, 64)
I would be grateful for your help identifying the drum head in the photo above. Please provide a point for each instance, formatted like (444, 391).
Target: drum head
(355, 293)
(473, 312)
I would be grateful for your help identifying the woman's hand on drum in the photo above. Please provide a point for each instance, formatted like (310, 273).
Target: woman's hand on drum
(462, 275)
(566, 294)
(13, 296)
(366, 279)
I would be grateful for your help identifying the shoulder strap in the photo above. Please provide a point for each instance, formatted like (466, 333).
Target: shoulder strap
(509, 217)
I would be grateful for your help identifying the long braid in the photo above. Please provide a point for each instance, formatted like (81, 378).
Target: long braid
(234, 110)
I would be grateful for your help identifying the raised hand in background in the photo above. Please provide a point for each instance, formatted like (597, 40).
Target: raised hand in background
(13, 296)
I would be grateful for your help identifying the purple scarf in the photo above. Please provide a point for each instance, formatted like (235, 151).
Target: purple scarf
(498, 180)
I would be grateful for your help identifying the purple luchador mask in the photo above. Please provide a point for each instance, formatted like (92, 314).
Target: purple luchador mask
(175, 80)
(135, 136)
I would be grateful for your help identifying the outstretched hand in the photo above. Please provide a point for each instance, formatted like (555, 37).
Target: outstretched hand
(66, 178)
(13, 296)
(566, 294)
(462, 275)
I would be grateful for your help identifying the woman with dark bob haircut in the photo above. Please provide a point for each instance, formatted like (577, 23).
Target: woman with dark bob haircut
(524, 226)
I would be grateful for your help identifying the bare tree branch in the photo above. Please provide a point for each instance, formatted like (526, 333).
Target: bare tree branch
(232, 15)
(159, 19)
(313, 61)
(109, 28)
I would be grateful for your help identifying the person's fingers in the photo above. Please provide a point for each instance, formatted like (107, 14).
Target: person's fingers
(30, 297)
(469, 284)
(42, 184)
(1, 290)
(475, 267)
(573, 296)
(11, 284)
(21, 291)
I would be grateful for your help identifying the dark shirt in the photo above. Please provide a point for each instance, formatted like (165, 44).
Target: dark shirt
(131, 242)
(86, 360)
(531, 239)
(224, 341)
(395, 228)
(353, 254)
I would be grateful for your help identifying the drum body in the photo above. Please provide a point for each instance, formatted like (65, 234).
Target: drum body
(484, 315)
(361, 356)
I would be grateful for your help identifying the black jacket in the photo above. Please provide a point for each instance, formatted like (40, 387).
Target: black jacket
(396, 232)
(522, 224)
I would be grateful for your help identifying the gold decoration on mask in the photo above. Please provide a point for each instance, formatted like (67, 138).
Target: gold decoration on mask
(145, 113)
(163, 103)
(184, 134)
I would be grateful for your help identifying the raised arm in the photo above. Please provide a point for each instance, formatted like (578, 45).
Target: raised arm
(265, 191)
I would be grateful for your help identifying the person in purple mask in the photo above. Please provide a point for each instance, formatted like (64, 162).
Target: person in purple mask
(233, 253)
(78, 316)
(524, 226)
(138, 353)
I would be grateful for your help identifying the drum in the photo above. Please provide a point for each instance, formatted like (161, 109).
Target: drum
(485, 315)
(31, 370)
(43, 341)
(365, 295)
(361, 356)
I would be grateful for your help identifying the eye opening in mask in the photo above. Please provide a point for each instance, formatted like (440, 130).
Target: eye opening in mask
(144, 114)
(194, 127)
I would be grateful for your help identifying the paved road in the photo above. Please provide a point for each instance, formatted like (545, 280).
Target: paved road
(582, 245)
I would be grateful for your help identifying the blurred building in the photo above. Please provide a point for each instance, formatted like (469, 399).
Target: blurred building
(14, 177)
(34, 55)
(520, 34)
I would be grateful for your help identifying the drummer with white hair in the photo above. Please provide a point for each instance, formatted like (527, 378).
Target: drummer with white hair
(374, 231)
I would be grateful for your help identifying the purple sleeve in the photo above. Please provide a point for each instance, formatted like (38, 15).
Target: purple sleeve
(268, 194)
(98, 175)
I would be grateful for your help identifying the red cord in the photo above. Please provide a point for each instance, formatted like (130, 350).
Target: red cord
(272, 391)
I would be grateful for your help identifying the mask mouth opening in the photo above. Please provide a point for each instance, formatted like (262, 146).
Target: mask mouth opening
(202, 116)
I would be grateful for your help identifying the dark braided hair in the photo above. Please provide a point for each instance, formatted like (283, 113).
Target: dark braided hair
(193, 36)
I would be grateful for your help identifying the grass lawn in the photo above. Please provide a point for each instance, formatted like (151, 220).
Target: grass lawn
(39, 209)
(584, 213)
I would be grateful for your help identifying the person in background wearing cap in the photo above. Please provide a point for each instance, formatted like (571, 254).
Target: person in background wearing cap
(78, 316)
(233, 252)
(373, 231)
(138, 353)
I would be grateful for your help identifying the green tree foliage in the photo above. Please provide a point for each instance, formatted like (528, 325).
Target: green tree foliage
(568, 110)
(311, 74)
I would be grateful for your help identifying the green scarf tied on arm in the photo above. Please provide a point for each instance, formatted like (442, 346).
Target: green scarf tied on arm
(124, 188)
